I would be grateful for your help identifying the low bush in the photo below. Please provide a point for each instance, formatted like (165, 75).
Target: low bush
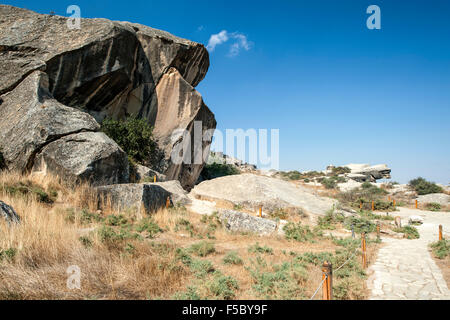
(8, 254)
(340, 170)
(279, 281)
(201, 268)
(202, 248)
(410, 232)
(148, 226)
(422, 186)
(441, 248)
(329, 221)
(297, 232)
(223, 287)
(232, 258)
(360, 224)
(256, 248)
(433, 206)
(28, 188)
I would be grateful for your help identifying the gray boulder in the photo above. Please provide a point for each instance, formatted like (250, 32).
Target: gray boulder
(109, 69)
(8, 213)
(30, 119)
(133, 196)
(236, 221)
(142, 196)
(178, 195)
(84, 156)
(252, 191)
(441, 198)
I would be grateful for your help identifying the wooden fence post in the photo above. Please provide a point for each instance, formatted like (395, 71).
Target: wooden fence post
(168, 202)
(363, 246)
(416, 203)
(260, 211)
(327, 275)
(378, 230)
(154, 179)
(373, 205)
(440, 232)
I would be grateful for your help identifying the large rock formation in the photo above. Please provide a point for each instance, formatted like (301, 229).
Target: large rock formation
(105, 69)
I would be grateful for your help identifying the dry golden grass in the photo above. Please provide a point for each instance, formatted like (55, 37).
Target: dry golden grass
(47, 244)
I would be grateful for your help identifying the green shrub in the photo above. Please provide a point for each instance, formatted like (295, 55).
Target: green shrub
(183, 256)
(202, 248)
(329, 221)
(216, 170)
(85, 241)
(297, 232)
(279, 214)
(441, 248)
(84, 216)
(279, 281)
(29, 188)
(422, 186)
(8, 254)
(410, 232)
(149, 226)
(201, 267)
(223, 287)
(232, 258)
(331, 182)
(190, 294)
(134, 136)
(360, 224)
(340, 170)
(115, 220)
(433, 206)
(111, 235)
(256, 248)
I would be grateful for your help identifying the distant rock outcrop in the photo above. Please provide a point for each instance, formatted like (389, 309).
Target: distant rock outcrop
(366, 172)
(56, 82)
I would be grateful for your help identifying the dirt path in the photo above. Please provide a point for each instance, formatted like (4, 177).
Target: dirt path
(404, 268)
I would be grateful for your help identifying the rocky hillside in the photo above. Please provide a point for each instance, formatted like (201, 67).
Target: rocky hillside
(58, 84)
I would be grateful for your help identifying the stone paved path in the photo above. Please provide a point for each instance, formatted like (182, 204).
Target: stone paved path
(404, 268)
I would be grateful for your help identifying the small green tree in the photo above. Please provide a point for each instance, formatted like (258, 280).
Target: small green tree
(422, 186)
(134, 136)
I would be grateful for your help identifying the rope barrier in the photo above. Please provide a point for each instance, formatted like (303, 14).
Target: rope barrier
(347, 260)
(320, 285)
(326, 275)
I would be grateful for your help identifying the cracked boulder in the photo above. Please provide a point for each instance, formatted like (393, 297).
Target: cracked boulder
(107, 69)
(236, 221)
(135, 197)
(38, 133)
(84, 156)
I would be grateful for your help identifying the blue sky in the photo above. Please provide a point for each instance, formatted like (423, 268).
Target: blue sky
(339, 92)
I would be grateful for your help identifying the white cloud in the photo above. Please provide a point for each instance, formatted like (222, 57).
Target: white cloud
(217, 39)
(240, 42)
